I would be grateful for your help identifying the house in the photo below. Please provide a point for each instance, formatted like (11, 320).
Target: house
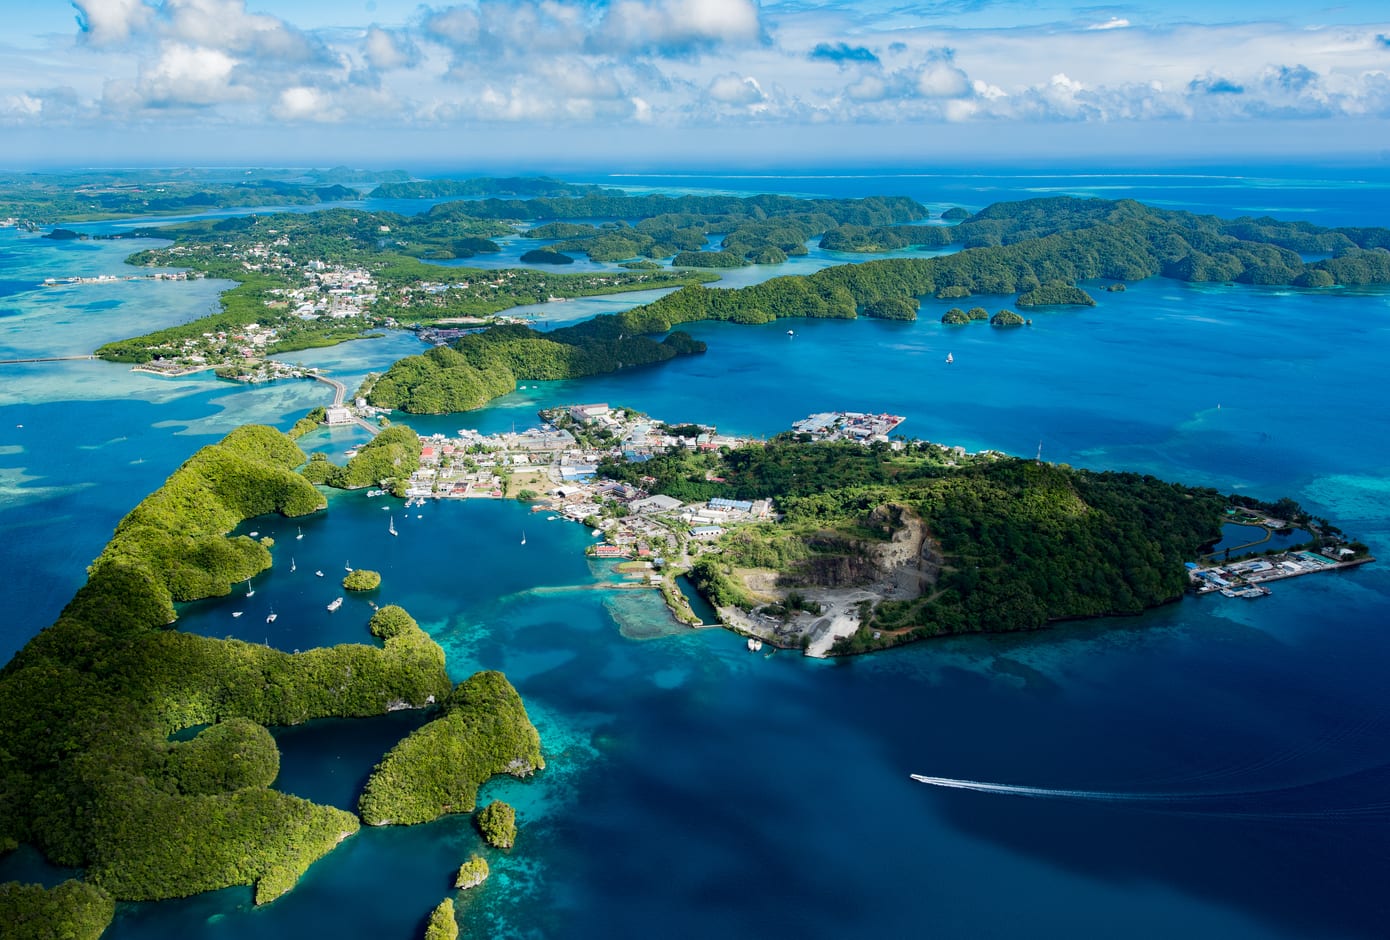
(336, 416)
(588, 413)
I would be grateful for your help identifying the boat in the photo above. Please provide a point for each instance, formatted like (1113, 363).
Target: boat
(950, 358)
(392, 529)
(301, 533)
(319, 574)
(236, 613)
(253, 534)
(338, 602)
(791, 332)
(249, 589)
(347, 565)
(551, 518)
(523, 536)
(270, 617)
(754, 644)
(291, 563)
(596, 533)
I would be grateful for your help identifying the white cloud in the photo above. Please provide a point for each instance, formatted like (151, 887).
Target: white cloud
(940, 79)
(384, 49)
(1115, 22)
(189, 75)
(108, 22)
(677, 25)
(732, 89)
(301, 103)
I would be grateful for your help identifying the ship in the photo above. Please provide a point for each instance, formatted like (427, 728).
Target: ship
(338, 602)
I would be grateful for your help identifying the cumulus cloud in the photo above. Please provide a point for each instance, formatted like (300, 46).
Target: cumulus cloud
(301, 103)
(939, 78)
(186, 75)
(387, 49)
(108, 22)
(676, 26)
(733, 89)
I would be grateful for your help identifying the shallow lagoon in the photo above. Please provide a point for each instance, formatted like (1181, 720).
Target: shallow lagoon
(1223, 762)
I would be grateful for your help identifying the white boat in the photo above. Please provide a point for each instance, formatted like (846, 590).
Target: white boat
(254, 534)
(338, 602)
(754, 644)
(301, 533)
(523, 536)
(319, 574)
(270, 617)
(347, 565)
(791, 332)
(950, 358)
(551, 518)
(236, 613)
(249, 589)
(392, 529)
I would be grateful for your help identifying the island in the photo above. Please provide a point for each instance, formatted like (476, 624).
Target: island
(840, 537)
(361, 579)
(91, 707)
(471, 873)
(497, 823)
(442, 925)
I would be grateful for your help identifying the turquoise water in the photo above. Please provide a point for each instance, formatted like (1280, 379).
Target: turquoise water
(1213, 768)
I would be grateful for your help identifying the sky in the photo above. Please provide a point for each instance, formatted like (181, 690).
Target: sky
(639, 84)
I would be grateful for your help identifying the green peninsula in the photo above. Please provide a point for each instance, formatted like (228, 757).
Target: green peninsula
(883, 543)
(482, 366)
(88, 707)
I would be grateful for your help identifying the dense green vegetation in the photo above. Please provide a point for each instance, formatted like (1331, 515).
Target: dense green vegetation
(442, 925)
(71, 911)
(1016, 543)
(1056, 293)
(892, 308)
(497, 822)
(543, 256)
(1006, 318)
(480, 186)
(708, 259)
(362, 579)
(45, 198)
(88, 773)
(438, 768)
(482, 366)
(174, 540)
(1020, 247)
(886, 237)
(955, 214)
(471, 873)
(387, 460)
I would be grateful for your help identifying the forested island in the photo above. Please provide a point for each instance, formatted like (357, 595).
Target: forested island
(90, 771)
(915, 540)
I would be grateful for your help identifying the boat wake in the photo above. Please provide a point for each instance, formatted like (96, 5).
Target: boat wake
(1243, 804)
(1054, 793)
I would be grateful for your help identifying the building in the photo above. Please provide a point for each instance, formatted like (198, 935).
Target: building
(658, 503)
(587, 413)
(337, 416)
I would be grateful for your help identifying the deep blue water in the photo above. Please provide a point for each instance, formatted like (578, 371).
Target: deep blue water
(1216, 768)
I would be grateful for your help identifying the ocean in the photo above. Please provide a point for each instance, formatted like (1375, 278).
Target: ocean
(1215, 767)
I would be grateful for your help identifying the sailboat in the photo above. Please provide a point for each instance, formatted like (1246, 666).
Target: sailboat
(301, 533)
(270, 617)
(249, 589)
(950, 358)
(347, 565)
(291, 562)
(392, 529)
(523, 536)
